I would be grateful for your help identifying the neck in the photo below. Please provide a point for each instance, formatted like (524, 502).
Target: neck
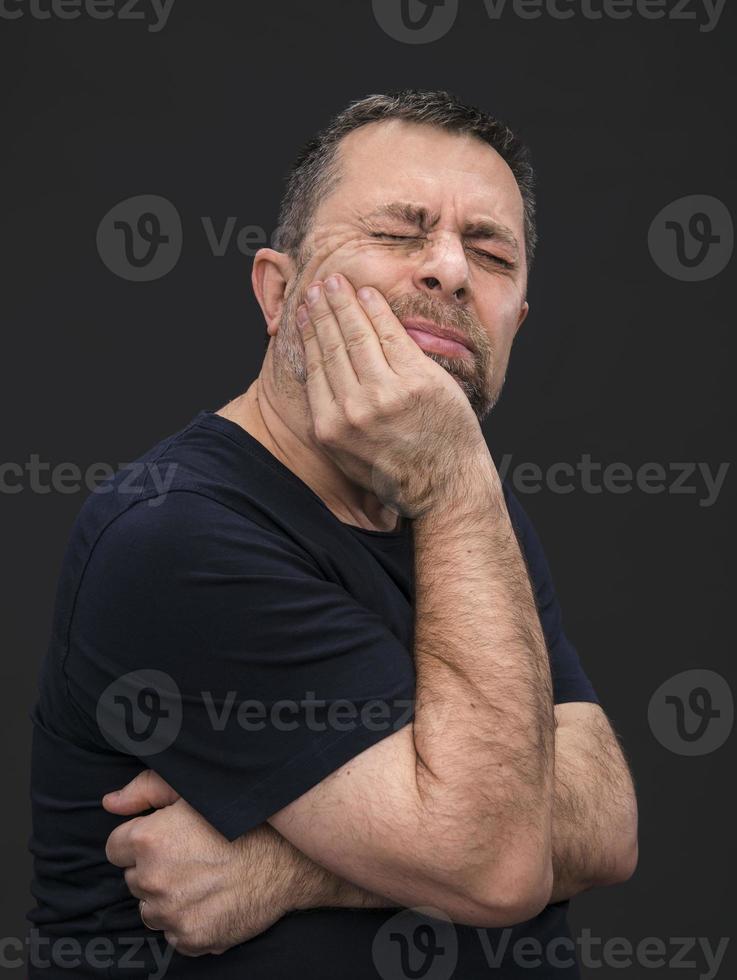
(278, 416)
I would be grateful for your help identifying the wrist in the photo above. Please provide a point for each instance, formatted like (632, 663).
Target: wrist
(311, 885)
(475, 488)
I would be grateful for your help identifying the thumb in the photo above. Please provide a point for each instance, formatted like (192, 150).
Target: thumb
(145, 792)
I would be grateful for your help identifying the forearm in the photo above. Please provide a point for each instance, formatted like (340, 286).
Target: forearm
(594, 811)
(593, 838)
(594, 822)
(484, 726)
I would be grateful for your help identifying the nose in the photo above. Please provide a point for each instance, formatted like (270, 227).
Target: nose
(443, 269)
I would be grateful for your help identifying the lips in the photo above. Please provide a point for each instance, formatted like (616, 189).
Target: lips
(412, 323)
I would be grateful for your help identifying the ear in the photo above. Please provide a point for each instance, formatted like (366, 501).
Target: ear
(524, 310)
(270, 274)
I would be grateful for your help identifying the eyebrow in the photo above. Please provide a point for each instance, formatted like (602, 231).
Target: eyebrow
(420, 217)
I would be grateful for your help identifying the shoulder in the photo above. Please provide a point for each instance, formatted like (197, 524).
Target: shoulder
(186, 533)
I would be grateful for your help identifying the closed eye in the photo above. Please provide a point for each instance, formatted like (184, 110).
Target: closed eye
(396, 238)
(497, 259)
(494, 258)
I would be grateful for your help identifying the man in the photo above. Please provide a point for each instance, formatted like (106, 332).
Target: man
(329, 655)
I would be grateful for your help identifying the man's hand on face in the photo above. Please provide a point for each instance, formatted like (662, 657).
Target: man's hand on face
(204, 893)
(392, 419)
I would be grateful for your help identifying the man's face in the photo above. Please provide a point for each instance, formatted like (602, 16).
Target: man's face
(434, 221)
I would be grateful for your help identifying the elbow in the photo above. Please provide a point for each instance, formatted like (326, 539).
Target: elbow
(626, 862)
(626, 852)
(514, 891)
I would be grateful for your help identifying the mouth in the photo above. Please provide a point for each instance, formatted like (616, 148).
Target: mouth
(436, 339)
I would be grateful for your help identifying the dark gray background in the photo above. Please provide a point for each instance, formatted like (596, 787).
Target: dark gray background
(617, 359)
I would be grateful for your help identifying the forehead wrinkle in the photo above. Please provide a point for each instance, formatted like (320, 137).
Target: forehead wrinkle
(415, 214)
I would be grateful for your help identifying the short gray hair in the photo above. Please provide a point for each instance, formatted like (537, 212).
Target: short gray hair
(315, 172)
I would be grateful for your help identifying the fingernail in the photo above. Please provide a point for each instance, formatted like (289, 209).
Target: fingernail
(368, 298)
(303, 316)
(313, 294)
(332, 284)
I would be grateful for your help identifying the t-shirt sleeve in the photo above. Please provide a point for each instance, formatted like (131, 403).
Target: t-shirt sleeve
(570, 682)
(214, 650)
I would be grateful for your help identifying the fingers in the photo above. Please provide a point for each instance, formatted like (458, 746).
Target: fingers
(348, 341)
(147, 791)
(336, 361)
(120, 849)
(397, 346)
(319, 393)
(361, 340)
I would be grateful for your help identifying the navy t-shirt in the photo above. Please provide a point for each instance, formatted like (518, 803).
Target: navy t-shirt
(217, 623)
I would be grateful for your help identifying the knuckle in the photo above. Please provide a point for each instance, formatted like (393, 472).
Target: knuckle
(313, 366)
(192, 936)
(414, 391)
(319, 316)
(149, 883)
(110, 849)
(326, 431)
(386, 401)
(139, 836)
(391, 338)
(341, 303)
(357, 413)
(333, 352)
(357, 342)
(177, 942)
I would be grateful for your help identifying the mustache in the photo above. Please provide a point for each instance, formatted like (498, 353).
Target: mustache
(422, 305)
(453, 317)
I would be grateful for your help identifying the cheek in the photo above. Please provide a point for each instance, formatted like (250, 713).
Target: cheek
(362, 260)
(500, 312)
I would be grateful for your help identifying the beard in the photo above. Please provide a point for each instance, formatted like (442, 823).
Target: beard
(477, 378)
